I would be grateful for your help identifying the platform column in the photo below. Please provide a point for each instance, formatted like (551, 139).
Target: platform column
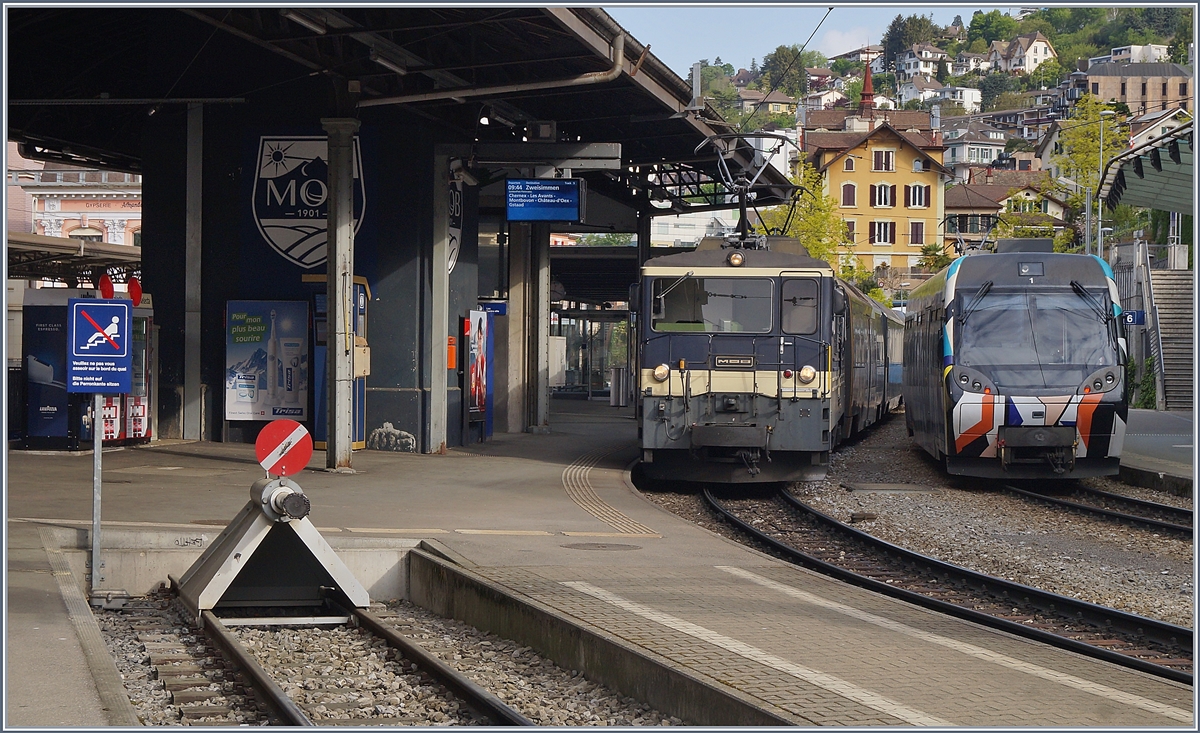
(538, 320)
(339, 292)
(194, 214)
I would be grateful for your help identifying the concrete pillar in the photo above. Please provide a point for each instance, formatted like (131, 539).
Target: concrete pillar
(193, 403)
(514, 415)
(340, 292)
(440, 307)
(538, 318)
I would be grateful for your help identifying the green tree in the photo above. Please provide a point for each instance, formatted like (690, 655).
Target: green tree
(943, 72)
(993, 26)
(1009, 100)
(853, 92)
(846, 67)
(1080, 140)
(933, 257)
(815, 220)
(977, 46)
(1045, 76)
(608, 239)
(992, 86)
(783, 69)
(1178, 49)
(902, 33)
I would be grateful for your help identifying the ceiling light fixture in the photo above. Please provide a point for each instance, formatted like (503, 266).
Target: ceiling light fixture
(314, 25)
(387, 63)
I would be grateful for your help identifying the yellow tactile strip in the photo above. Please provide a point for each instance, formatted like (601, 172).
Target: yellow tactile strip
(576, 479)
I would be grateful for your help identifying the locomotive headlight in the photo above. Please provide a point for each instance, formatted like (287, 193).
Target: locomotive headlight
(807, 374)
(963, 378)
(736, 259)
(661, 372)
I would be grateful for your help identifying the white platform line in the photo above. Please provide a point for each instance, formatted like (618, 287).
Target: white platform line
(825, 681)
(972, 650)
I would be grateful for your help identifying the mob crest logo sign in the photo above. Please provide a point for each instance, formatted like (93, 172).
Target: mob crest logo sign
(291, 196)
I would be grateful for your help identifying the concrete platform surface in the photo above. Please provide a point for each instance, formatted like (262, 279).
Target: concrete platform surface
(552, 519)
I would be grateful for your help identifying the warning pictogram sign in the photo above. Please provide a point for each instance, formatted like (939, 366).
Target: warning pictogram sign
(283, 447)
(100, 358)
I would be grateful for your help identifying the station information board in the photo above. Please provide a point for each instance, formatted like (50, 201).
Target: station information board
(545, 199)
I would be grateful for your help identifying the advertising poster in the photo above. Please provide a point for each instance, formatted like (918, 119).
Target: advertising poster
(477, 365)
(44, 343)
(266, 360)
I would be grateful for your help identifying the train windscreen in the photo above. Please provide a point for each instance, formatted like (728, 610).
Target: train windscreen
(1033, 340)
(712, 304)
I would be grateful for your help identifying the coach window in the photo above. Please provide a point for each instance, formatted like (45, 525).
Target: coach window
(799, 313)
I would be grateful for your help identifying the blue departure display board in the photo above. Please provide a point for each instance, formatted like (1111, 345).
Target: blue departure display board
(544, 199)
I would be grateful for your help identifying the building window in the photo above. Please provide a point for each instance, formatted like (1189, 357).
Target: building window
(884, 160)
(1095, 87)
(1122, 89)
(1164, 89)
(848, 194)
(137, 238)
(850, 230)
(883, 232)
(1143, 89)
(916, 232)
(1183, 89)
(86, 234)
(883, 195)
(916, 197)
(848, 165)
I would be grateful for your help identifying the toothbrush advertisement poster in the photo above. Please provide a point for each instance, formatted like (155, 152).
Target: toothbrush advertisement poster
(266, 360)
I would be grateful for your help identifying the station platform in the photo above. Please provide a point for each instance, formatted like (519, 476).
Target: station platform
(551, 521)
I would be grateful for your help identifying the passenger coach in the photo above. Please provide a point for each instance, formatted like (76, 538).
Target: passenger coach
(1013, 365)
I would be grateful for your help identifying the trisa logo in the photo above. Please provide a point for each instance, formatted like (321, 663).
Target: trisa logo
(287, 411)
(291, 196)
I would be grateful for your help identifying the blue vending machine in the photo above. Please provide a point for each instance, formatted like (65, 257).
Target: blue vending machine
(362, 351)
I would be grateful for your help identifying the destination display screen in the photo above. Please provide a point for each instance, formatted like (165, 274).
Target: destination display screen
(545, 199)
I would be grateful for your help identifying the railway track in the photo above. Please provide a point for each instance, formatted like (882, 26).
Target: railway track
(814, 540)
(349, 668)
(1124, 509)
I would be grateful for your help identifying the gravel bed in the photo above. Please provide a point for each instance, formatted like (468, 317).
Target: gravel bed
(536, 687)
(345, 672)
(150, 701)
(967, 522)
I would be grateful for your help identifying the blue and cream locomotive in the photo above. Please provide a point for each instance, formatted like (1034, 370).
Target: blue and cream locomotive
(756, 362)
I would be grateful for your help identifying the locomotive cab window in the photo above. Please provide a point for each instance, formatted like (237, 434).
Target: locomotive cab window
(799, 306)
(712, 304)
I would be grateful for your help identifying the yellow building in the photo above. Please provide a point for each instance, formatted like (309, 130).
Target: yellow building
(884, 169)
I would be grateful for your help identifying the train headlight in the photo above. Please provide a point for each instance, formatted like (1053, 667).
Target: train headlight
(661, 372)
(807, 374)
(736, 259)
(970, 380)
(1104, 379)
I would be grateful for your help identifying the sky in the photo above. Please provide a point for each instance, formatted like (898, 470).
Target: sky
(680, 35)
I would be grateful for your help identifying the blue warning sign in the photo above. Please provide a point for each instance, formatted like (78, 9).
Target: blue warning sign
(98, 334)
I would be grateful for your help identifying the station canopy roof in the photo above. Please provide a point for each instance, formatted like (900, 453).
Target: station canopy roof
(36, 257)
(1155, 175)
(84, 82)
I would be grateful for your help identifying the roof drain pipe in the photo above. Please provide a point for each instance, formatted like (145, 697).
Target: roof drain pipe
(594, 77)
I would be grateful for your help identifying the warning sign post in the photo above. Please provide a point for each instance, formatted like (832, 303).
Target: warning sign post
(99, 359)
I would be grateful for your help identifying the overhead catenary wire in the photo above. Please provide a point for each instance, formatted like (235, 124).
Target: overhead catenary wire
(775, 84)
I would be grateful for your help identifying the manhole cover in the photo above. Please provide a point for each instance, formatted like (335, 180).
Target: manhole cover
(601, 546)
(890, 488)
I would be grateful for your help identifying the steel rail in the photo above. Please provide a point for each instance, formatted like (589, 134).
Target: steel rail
(1109, 513)
(272, 694)
(1157, 630)
(475, 696)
